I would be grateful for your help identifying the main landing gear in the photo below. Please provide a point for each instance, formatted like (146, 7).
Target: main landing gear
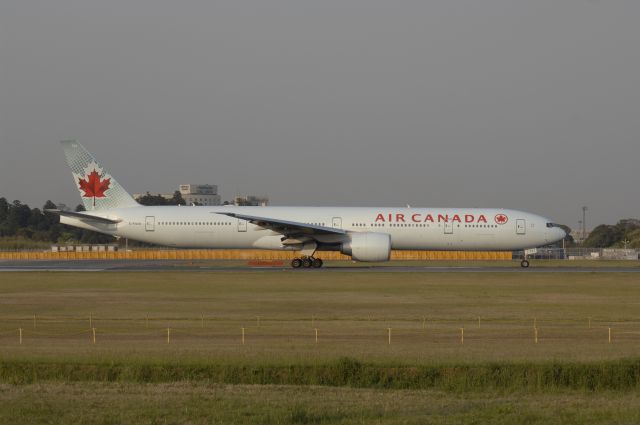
(306, 262)
(524, 263)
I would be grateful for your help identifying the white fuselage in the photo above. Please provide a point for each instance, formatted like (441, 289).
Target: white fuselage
(471, 229)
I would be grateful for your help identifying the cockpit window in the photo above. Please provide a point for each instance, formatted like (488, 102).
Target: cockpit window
(550, 225)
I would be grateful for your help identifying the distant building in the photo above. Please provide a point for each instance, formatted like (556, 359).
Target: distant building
(250, 200)
(207, 195)
(200, 194)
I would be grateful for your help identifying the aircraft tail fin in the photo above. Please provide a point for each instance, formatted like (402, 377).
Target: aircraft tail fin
(98, 190)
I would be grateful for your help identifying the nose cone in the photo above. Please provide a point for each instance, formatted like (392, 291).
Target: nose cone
(556, 234)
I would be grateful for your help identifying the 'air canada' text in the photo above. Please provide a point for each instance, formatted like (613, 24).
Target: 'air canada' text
(430, 218)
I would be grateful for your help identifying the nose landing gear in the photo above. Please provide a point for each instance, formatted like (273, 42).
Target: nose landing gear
(306, 262)
(525, 257)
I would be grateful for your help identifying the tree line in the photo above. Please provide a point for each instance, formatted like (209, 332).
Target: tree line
(624, 234)
(21, 224)
(148, 199)
(20, 221)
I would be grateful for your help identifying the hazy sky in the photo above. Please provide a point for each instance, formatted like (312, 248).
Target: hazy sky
(517, 103)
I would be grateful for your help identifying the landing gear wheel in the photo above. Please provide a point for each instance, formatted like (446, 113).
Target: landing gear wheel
(316, 263)
(296, 263)
(524, 264)
(306, 262)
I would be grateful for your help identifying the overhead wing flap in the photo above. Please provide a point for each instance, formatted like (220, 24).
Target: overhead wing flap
(285, 226)
(84, 217)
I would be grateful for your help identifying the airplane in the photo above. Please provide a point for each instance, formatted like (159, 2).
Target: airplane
(365, 234)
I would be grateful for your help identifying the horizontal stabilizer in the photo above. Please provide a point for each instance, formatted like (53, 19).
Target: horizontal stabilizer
(83, 217)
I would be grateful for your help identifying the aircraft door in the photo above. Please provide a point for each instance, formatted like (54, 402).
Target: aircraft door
(337, 222)
(448, 228)
(242, 225)
(150, 223)
(521, 226)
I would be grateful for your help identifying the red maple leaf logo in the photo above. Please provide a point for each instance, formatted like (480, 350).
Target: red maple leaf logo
(93, 186)
(501, 219)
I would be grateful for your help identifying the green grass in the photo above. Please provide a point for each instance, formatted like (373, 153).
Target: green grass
(531, 377)
(352, 375)
(202, 403)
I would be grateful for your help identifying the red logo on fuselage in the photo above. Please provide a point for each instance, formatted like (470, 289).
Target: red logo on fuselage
(501, 219)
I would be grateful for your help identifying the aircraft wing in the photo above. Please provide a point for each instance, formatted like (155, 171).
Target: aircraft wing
(286, 227)
(83, 217)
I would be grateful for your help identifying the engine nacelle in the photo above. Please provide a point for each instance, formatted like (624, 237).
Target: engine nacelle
(368, 246)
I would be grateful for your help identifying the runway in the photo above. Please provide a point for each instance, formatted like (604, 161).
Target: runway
(194, 266)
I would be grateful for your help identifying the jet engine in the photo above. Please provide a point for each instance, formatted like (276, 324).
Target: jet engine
(368, 246)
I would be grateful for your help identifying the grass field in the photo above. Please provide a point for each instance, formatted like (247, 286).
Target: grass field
(200, 403)
(427, 374)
